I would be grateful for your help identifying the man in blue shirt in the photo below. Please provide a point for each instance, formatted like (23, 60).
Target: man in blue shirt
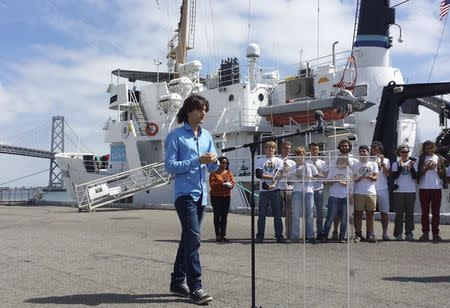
(189, 151)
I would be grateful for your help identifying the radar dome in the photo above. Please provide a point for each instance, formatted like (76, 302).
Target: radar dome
(253, 51)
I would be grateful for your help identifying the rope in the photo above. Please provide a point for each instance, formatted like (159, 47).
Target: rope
(23, 177)
(437, 50)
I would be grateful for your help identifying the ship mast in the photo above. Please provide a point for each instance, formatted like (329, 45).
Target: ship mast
(184, 38)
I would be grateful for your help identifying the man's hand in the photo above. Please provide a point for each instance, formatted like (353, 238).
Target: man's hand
(208, 158)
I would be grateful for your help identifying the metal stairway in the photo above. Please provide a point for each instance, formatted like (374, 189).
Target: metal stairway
(112, 188)
(137, 110)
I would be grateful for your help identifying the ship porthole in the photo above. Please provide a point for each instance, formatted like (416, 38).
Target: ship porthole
(231, 98)
(261, 97)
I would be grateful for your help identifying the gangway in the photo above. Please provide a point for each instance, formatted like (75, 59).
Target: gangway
(108, 189)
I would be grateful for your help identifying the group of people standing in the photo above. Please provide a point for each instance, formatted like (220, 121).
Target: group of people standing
(296, 184)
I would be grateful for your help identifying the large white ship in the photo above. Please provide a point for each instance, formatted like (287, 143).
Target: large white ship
(361, 99)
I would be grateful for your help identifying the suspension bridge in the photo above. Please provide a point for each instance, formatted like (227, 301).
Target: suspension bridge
(44, 141)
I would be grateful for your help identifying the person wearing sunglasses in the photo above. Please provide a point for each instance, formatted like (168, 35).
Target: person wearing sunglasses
(221, 183)
(404, 197)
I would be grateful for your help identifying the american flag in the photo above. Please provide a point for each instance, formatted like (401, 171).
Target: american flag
(445, 5)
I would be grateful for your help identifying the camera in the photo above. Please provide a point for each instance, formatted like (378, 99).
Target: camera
(265, 186)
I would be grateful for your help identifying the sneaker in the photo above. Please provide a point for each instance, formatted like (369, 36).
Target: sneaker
(436, 238)
(424, 238)
(409, 237)
(385, 237)
(224, 239)
(218, 238)
(400, 238)
(324, 240)
(281, 240)
(359, 237)
(319, 237)
(180, 289)
(200, 297)
(311, 240)
(258, 240)
(371, 238)
(334, 237)
(342, 241)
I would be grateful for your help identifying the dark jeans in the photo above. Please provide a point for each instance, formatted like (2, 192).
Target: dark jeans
(286, 201)
(318, 204)
(187, 262)
(426, 197)
(221, 206)
(274, 198)
(337, 207)
(404, 206)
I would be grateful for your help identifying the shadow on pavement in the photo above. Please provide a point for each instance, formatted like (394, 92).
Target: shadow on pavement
(431, 279)
(107, 298)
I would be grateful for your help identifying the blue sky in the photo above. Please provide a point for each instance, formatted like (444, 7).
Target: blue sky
(56, 56)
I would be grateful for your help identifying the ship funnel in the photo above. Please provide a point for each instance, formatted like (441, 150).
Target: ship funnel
(375, 17)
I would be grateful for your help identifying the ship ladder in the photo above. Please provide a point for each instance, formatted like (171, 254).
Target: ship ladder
(121, 185)
(137, 110)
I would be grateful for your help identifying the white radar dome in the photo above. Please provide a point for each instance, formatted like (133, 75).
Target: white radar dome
(253, 51)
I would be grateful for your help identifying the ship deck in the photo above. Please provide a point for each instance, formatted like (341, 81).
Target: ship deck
(55, 256)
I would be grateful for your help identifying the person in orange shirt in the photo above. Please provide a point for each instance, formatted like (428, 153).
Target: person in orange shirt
(221, 182)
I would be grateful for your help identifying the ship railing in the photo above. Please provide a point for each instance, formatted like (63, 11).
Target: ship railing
(226, 77)
(121, 185)
(306, 67)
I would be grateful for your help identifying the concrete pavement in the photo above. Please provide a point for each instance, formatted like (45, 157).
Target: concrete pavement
(57, 257)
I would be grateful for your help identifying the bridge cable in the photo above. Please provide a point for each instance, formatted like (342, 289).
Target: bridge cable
(23, 177)
(81, 141)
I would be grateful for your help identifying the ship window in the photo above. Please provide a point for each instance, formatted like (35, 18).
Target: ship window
(360, 90)
(231, 98)
(261, 97)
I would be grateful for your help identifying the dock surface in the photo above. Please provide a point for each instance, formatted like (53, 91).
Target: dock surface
(57, 257)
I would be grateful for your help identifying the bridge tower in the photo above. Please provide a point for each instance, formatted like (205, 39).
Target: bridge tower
(56, 182)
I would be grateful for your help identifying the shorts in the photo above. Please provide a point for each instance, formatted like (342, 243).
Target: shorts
(383, 200)
(365, 202)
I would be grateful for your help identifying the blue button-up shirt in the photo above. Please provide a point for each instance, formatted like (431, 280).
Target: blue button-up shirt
(183, 150)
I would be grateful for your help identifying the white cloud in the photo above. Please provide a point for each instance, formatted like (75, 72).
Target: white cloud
(68, 75)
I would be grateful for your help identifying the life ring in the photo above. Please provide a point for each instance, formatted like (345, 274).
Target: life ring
(126, 130)
(151, 128)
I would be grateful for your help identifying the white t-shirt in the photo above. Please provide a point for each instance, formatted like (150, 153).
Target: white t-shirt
(351, 161)
(404, 181)
(287, 164)
(381, 182)
(319, 164)
(364, 186)
(430, 180)
(337, 189)
(269, 166)
(301, 176)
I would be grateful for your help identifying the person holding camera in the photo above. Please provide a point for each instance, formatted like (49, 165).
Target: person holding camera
(269, 193)
(302, 195)
(431, 179)
(221, 183)
(381, 185)
(405, 175)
